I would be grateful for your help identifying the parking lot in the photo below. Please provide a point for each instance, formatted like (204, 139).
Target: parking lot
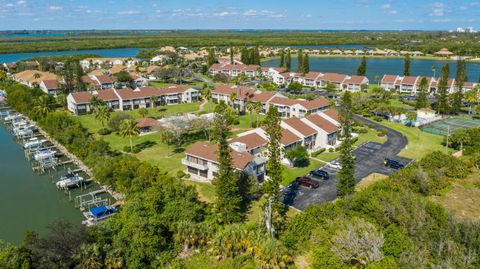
(369, 158)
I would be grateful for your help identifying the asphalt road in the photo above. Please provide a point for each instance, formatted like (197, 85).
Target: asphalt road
(369, 159)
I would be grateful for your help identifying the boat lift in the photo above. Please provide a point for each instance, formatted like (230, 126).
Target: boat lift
(89, 200)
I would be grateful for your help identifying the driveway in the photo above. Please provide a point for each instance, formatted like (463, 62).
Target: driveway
(369, 158)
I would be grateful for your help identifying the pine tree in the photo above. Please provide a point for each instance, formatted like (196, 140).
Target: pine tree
(282, 59)
(271, 187)
(443, 107)
(299, 61)
(288, 61)
(362, 68)
(422, 100)
(346, 184)
(231, 55)
(406, 65)
(257, 56)
(306, 64)
(243, 55)
(211, 59)
(229, 200)
(460, 79)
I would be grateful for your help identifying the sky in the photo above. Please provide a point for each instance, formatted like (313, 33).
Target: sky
(239, 14)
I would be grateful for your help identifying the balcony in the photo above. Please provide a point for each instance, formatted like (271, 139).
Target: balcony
(194, 165)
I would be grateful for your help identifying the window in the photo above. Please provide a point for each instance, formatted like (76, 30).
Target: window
(204, 173)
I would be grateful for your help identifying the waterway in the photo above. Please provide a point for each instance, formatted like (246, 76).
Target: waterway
(381, 66)
(28, 201)
(111, 53)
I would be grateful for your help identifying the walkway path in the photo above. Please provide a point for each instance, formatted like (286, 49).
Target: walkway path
(202, 105)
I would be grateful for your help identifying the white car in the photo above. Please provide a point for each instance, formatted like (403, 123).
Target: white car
(335, 165)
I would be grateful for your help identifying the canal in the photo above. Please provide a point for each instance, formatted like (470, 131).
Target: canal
(381, 66)
(28, 201)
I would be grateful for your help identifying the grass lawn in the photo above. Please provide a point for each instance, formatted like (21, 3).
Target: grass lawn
(419, 143)
(244, 120)
(463, 197)
(372, 178)
(290, 173)
(206, 191)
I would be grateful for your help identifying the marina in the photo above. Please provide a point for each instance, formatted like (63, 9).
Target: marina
(57, 183)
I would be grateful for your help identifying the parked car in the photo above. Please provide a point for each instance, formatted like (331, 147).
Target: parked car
(393, 164)
(320, 174)
(335, 165)
(307, 182)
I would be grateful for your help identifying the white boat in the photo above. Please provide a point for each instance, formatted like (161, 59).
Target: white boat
(43, 154)
(99, 213)
(23, 127)
(12, 117)
(24, 132)
(34, 143)
(69, 180)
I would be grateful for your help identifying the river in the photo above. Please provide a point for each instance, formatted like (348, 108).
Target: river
(112, 53)
(381, 66)
(28, 201)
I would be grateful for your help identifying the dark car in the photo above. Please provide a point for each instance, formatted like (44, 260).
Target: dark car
(320, 174)
(394, 164)
(307, 182)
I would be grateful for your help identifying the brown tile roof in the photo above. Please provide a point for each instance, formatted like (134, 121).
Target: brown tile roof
(128, 94)
(82, 97)
(355, 80)
(173, 89)
(288, 137)
(263, 97)
(50, 83)
(29, 75)
(312, 75)
(300, 126)
(240, 91)
(409, 80)
(210, 153)
(322, 123)
(105, 79)
(252, 140)
(390, 79)
(107, 95)
(283, 101)
(314, 104)
(147, 122)
(333, 77)
(332, 113)
(88, 80)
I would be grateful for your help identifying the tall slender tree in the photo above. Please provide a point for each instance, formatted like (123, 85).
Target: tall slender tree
(129, 128)
(346, 184)
(306, 63)
(443, 106)
(102, 113)
(299, 61)
(288, 61)
(211, 58)
(422, 100)
(362, 68)
(460, 80)
(228, 202)
(231, 54)
(406, 65)
(282, 58)
(271, 187)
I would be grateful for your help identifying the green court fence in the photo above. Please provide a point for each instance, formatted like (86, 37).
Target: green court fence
(443, 127)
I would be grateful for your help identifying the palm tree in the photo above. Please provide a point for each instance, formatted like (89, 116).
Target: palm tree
(90, 257)
(471, 98)
(102, 113)
(153, 100)
(377, 79)
(43, 106)
(129, 128)
(36, 76)
(233, 97)
(411, 117)
(207, 95)
(143, 112)
(250, 107)
(257, 108)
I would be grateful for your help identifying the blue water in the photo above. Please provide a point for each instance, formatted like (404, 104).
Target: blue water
(381, 66)
(122, 53)
(345, 46)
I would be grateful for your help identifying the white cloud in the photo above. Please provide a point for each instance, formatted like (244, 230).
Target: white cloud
(188, 12)
(224, 14)
(393, 12)
(437, 12)
(21, 2)
(386, 6)
(263, 13)
(55, 8)
(128, 12)
(9, 5)
(438, 4)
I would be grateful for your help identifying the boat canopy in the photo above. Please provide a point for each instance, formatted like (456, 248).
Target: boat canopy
(101, 211)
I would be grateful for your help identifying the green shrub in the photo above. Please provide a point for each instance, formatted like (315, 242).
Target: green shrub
(180, 174)
(378, 118)
(104, 131)
(331, 150)
(318, 152)
(127, 149)
(116, 120)
(354, 140)
(301, 162)
(382, 133)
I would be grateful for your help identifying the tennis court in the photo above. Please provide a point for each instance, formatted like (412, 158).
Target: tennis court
(442, 127)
